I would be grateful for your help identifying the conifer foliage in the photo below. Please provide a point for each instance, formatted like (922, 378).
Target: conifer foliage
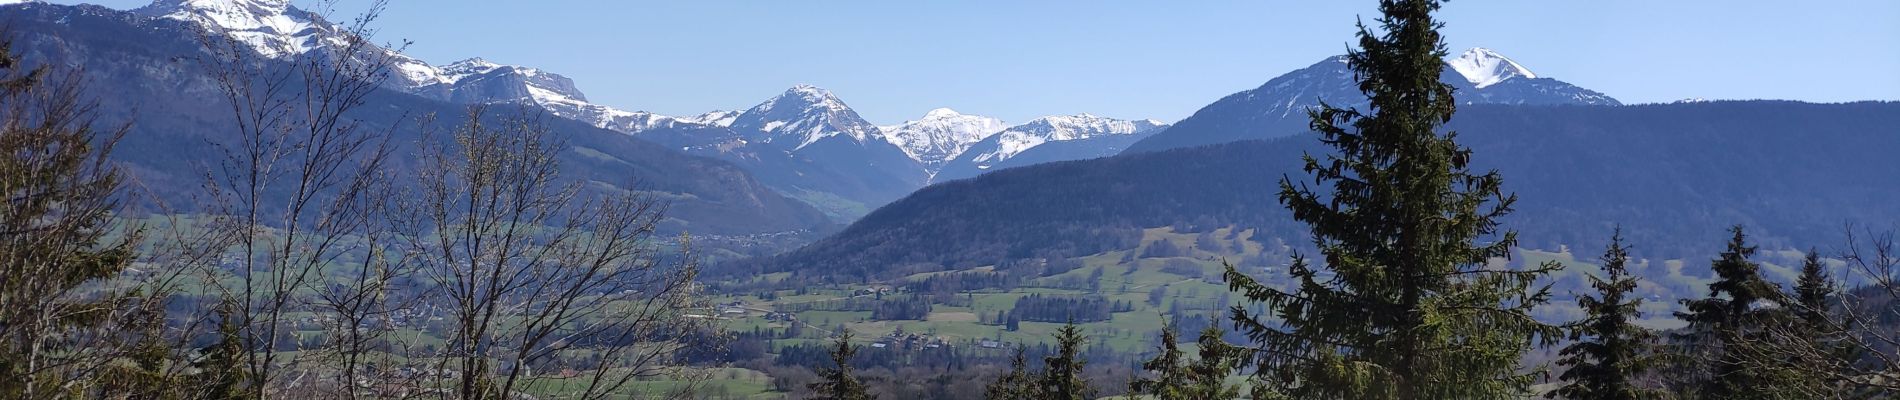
(1400, 305)
(1017, 384)
(58, 319)
(1727, 330)
(1610, 351)
(1061, 377)
(838, 383)
(1179, 378)
(1814, 344)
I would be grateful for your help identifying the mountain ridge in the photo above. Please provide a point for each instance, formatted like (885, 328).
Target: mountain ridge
(1046, 139)
(1278, 107)
(180, 123)
(1673, 176)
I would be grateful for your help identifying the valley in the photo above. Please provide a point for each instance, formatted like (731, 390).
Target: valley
(253, 199)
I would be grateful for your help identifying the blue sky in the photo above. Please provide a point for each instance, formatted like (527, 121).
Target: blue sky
(894, 60)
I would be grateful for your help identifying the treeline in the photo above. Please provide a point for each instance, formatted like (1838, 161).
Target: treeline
(1061, 309)
(883, 307)
(1072, 368)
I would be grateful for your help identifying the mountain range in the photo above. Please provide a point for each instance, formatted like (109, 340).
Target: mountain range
(808, 144)
(804, 143)
(803, 159)
(1278, 107)
(1673, 177)
(141, 64)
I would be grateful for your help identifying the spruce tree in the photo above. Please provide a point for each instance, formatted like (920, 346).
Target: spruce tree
(1401, 304)
(838, 383)
(1724, 325)
(1018, 384)
(1610, 351)
(1169, 368)
(1820, 354)
(1811, 293)
(1217, 359)
(221, 372)
(1061, 377)
(1176, 377)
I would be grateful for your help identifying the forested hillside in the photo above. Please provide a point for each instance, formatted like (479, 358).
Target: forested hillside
(183, 124)
(1672, 175)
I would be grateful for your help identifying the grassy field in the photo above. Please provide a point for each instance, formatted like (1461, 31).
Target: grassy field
(1122, 278)
(1183, 268)
(1190, 285)
(721, 383)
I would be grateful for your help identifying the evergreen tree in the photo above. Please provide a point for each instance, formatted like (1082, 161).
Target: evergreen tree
(1169, 368)
(221, 370)
(1820, 355)
(838, 384)
(147, 373)
(1178, 378)
(1061, 377)
(1610, 350)
(1811, 293)
(1724, 325)
(1401, 305)
(1018, 384)
(1217, 360)
(60, 238)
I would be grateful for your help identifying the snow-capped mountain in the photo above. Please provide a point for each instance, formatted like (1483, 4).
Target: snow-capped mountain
(275, 29)
(1017, 139)
(476, 80)
(133, 57)
(1278, 107)
(1048, 139)
(941, 135)
(1483, 67)
(803, 115)
(1493, 78)
(718, 118)
(804, 141)
(271, 27)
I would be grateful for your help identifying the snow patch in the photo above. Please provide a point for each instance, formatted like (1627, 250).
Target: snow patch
(941, 135)
(1484, 67)
(1023, 137)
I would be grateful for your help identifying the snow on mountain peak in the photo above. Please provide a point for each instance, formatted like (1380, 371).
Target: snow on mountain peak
(941, 135)
(807, 114)
(256, 7)
(810, 93)
(941, 113)
(275, 29)
(714, 118)
(1484, 67)
(1057, 128)
(476, 63)
(272, 27)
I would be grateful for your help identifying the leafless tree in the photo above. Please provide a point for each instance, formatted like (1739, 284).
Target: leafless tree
(1846, 346)
(540, 279)
(297, 194)
(1867, 316)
